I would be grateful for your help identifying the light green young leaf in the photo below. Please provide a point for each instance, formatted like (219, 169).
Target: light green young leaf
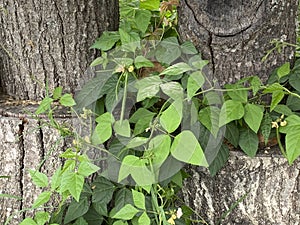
(44, 105)
(283, 70)
(137, 141)
(73, 183)
(28, 221)
(141, 61)
(231, 110)
(56, 179)
(67, 100)
(43, 198)
(57, 93)
(173, 89)
(256, 84)
(126, 213)
(273, 87)
(248, 142)
(160, 147)
(176, 69)
(170, 119)
(277, 96)
(120, 222)
(97, 61)
(188, 48)
(150, 4)
(168, 50)
(236, 94)
(38, 178)
(122, 128)
(107, 40)
(138, 199)
(292, 141)
(103, 130)
(195, 82)
(293, 123)
(41, 218)
(283, 109)
(147, 87)
(144, 219)
(186, 148)
(253, 116)
(209, 117)
(130, 41)
(86, 169)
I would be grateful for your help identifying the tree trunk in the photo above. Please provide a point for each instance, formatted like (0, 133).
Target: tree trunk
(235, 35)
(47, 42)
(272, 185)
(41, 43)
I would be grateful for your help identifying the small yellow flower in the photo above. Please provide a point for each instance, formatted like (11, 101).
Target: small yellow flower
(87, 139)
(283, 123)
(130, 69)
(275, 125)
(171, 220)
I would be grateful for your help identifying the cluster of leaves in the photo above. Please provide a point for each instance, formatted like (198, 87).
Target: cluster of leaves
(151, 109)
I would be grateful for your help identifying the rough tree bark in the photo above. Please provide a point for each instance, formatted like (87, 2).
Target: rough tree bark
(235, 35)
(40, 42)
(48, 41)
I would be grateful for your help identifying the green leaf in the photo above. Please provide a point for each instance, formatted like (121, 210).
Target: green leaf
(142, 119)
(256, 84)
(81, 221)
(235, 94)
(41, 218)
(219, 161)
(168, 51)
(123, 197)
(137, 141)
(56, 179)
(44, 105)
(147, 87)
(107, 40)
(197, 62)
(38, 178)
(283, 109)
(141, 61)
(138, 199)
(293, 103)
(100, 208)
(43, 198)
(130, 41)
(277, 96)
(86, 169)
(97, 61)
(209, 117)
(73, 183)
(188, 48)
(144, 219)
(266, 127)
(142, 19)
(170, 119)
(232, 134)
(10, 196)
(173, 89)
(76, 210)
(103, 130)
(293, 123)
(120, 222)
(160, 148)
(231, 110)
(57, 93)
(273, 87)
(284, 70)
(28, 221)
(253, 116)
(292, 141)
(67, 100)
(294, 80)
(248, 142)
(126, 213)
(186, 148)
(176, 69)
(150, 4)
(195, 82)
(103, 190)
(122, 128)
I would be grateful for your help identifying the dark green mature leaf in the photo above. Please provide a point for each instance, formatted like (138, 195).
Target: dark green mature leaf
(122, 198)
(219, 161)
(232, 134)
(253, 116)
(248, 142)
(81, 221)
(91, 91)
(283, 109)
(93, 217)
(107, 40)
(266, 127)
(76, 210)
(293, 102)
(186, 148)
(231, 110)
(103, 190)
